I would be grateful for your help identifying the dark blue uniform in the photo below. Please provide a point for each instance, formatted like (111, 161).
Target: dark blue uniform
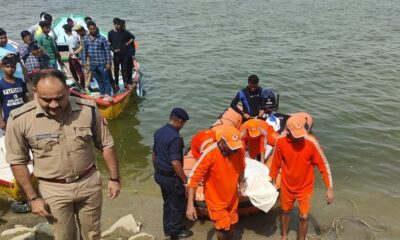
(168, 145)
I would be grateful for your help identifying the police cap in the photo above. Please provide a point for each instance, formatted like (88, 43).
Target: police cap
(180, 113)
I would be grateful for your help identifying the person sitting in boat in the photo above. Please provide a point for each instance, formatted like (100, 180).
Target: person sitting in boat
(203, 139)
(255, 134)
(221, 167)
(98, 51)
(32, 55)
(73, 59)
(13, 90)
(45, 40)
(250, 97)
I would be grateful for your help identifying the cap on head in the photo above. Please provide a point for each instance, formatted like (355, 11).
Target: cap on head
(308, 119)
(231, 136)
(180, 113)
(78, 28)
(295, 125)
(253, 129)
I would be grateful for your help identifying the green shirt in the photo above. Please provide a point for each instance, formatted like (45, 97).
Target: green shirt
(49, 46)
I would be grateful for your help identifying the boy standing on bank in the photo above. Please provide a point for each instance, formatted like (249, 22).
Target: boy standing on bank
(295, 155)
(13, 90)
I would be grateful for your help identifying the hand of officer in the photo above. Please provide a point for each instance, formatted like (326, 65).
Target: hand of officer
(329, 196)
(113, 189)
(108, 66)
(191, 213)
(39, 207)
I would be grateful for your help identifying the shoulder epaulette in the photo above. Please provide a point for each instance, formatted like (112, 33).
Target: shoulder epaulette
(86, 102)
(23, 109)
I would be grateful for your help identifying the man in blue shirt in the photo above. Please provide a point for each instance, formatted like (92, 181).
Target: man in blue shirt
(168, 166)
(13, 91)
(97, 49)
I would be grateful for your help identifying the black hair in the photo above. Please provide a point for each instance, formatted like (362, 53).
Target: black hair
(42, 13)
(49, 73)
(47, 17)
(25, 33)
(87, 19)
(91, 23)
(70, 20)
(44, 23)
(2, 32)
(9, 60)
(67, 28)
(253, 79)
(117, 21)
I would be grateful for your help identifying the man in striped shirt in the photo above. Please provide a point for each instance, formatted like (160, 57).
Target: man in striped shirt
(295, 156)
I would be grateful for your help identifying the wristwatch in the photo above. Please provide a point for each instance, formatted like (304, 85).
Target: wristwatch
(118, 179)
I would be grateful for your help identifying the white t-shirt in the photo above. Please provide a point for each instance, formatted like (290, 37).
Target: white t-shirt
(73, 44)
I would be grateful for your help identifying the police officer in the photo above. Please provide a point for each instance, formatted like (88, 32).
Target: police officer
(168, 166)
(59, 131)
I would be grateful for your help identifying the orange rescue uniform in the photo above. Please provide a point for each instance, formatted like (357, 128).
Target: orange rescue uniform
(256, 145)
(221, 175)
(201, 141)
(297, 161)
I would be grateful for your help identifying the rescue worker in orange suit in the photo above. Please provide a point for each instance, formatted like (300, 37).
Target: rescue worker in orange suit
(255, 134)
(296, 154)
(201, 141)
(222, 167)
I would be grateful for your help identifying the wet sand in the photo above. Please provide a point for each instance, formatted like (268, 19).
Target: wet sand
(147, 209)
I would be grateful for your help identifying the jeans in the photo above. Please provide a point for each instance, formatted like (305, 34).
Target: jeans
(99, 72)
(174, 208)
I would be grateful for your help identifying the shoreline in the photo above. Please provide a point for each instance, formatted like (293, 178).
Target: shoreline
(146, 208)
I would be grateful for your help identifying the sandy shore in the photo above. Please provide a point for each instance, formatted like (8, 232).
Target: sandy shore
(147, 209)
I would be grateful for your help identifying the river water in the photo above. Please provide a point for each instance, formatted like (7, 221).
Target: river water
(336, 59)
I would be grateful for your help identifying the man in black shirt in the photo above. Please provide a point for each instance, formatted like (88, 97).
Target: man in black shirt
(120, 40)
(250, 97)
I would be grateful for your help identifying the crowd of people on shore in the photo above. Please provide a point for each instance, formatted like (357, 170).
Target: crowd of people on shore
(220, 165)
(89, 54)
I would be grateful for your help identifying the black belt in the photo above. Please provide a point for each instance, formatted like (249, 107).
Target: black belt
(70, 179)
(166, 173)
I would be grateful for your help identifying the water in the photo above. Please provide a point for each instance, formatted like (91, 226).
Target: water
(336, 59)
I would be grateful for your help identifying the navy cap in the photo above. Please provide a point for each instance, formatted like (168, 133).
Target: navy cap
(180, 113)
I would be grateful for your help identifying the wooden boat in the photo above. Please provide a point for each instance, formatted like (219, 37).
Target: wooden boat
(9, 187)
(109, 110)
(112, 109)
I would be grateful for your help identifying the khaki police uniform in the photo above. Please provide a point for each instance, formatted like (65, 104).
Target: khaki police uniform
(62, 151)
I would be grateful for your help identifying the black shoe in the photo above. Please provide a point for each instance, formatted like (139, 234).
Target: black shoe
(183, 234)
